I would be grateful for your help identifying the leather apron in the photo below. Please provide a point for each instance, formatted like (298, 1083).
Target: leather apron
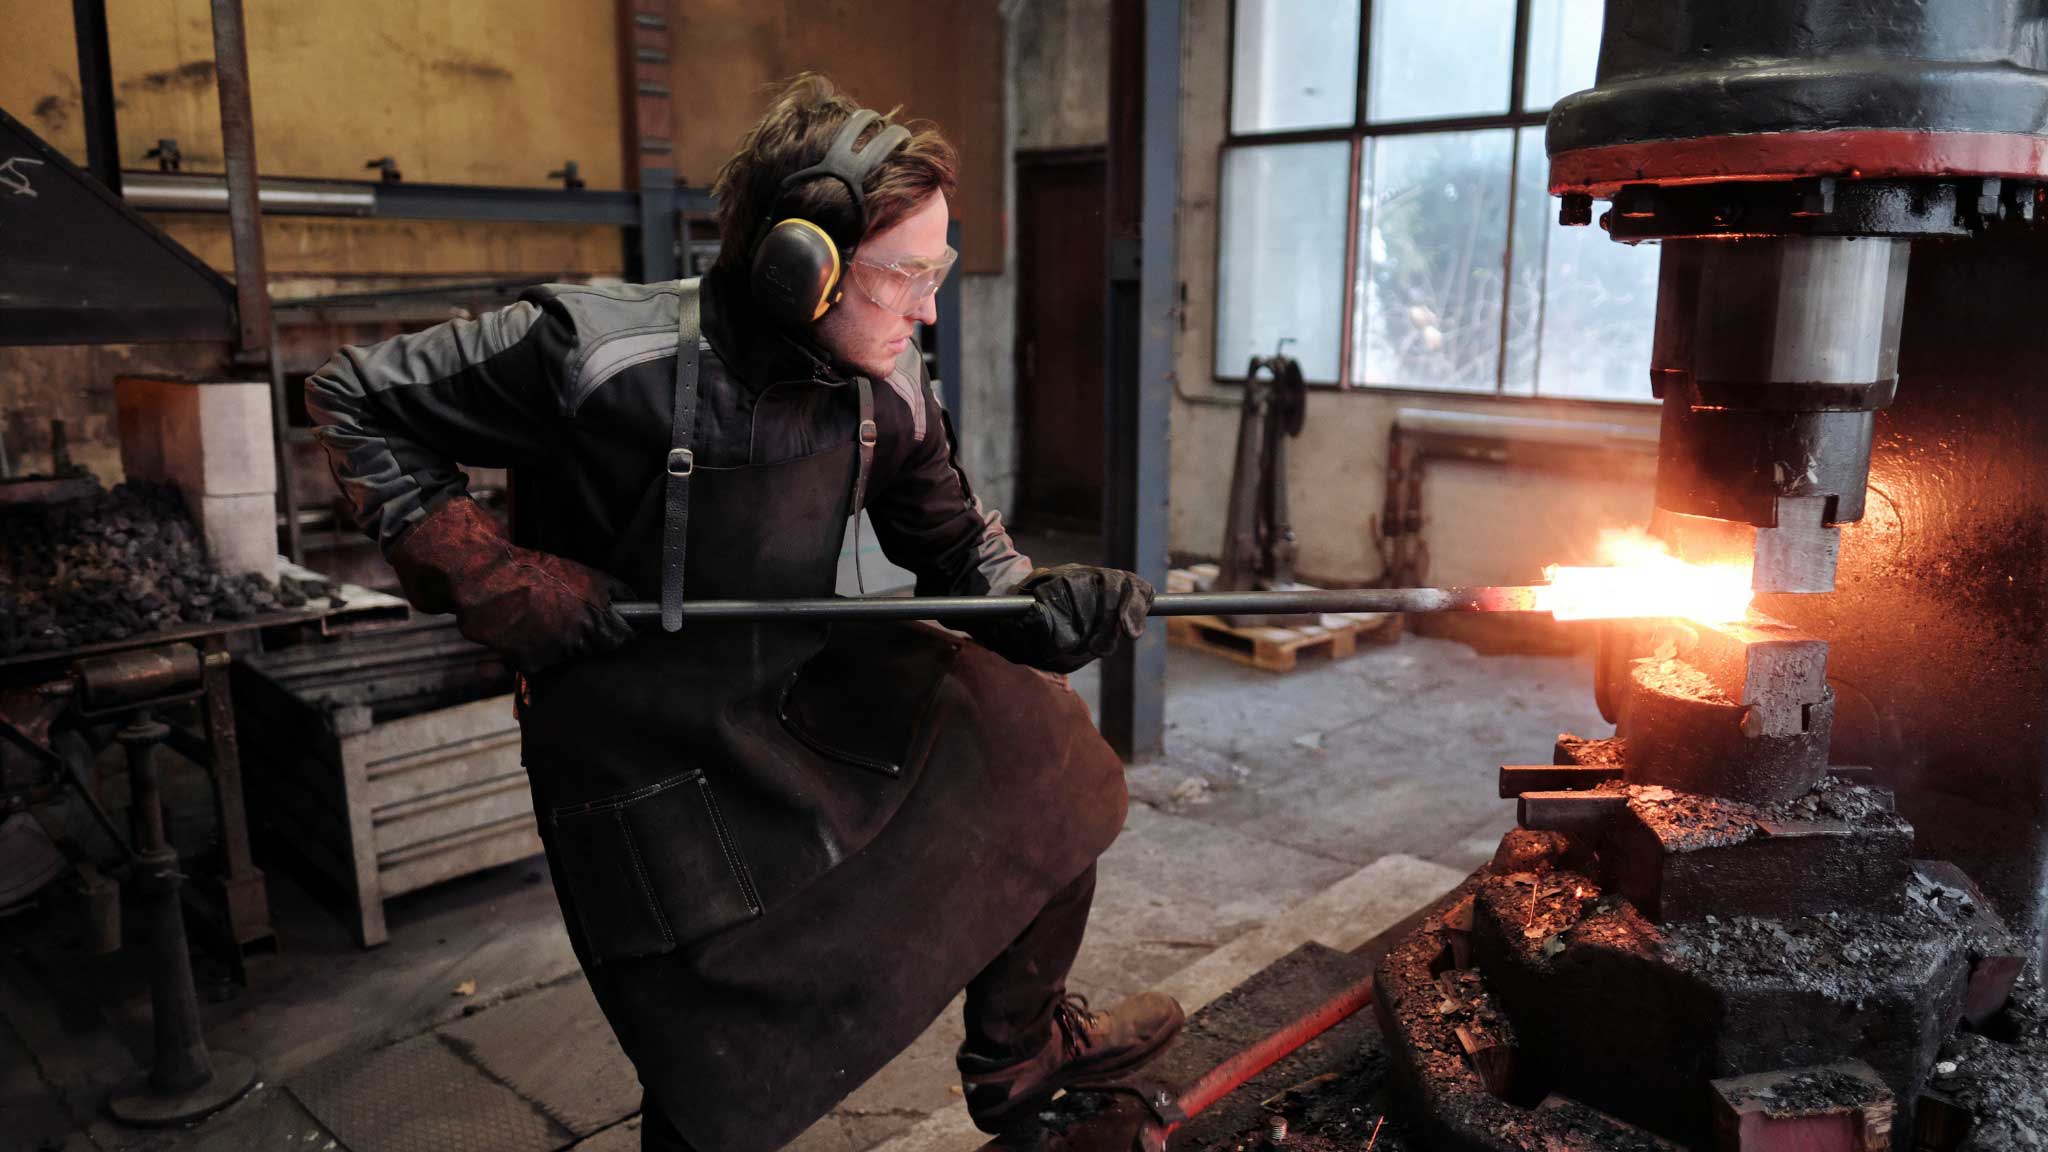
(781, 849)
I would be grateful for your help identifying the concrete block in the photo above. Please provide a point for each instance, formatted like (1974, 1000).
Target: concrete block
(240, 532)
(210, 439)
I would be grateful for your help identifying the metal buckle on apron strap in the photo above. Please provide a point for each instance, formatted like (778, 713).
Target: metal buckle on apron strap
(675, 532)
(868, 437)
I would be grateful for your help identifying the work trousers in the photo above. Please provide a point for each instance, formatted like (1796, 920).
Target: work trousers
(1009, 1002)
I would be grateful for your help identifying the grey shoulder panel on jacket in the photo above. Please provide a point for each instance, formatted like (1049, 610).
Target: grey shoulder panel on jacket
(617, 327)
(423, 357)
(907, 379)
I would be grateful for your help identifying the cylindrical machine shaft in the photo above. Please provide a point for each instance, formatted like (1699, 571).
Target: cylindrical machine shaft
(122, 678)
(1786, 154)
(1772, 355)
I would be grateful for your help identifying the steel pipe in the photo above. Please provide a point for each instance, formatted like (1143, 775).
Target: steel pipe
(199, 192)
(178, 192)
(965, 608)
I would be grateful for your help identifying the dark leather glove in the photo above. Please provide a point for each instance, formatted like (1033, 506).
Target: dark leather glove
(534, 609)
(1082, 613)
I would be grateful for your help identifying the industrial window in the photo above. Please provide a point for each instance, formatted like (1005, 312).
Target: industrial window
(1392, 222)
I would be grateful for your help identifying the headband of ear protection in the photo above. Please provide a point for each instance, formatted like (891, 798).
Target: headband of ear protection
(798, 266)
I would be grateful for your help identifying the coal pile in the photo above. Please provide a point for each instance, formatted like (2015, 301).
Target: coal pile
(119, 564)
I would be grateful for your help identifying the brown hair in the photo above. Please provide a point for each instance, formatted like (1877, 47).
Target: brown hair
(793, 135)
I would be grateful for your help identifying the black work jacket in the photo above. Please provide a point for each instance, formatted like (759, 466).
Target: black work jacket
(571, 388)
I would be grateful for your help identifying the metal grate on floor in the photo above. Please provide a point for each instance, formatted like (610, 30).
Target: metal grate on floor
(421, 1096)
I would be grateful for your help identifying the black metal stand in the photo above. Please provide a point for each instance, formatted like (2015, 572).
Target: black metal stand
(186, 1082)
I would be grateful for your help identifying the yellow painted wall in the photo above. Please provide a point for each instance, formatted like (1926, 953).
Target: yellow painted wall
(499, 92)
(457, 91)
(303, 247)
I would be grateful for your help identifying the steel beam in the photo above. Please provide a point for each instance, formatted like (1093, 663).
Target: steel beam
(258, 330)
(647, 42)
(238, 145)
(657, 232)
(1144, 187)
(238, 148)
(951, 387)
(96, 92)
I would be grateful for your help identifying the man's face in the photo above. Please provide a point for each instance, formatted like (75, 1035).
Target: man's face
(860, 333)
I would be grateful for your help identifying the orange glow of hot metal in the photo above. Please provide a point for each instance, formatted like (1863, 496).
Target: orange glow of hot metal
(1640, 578)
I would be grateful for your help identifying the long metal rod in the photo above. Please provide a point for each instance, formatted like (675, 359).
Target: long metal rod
(280, 196)
(965, 608)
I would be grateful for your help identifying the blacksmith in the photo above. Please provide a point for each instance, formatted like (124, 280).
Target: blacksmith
(780, 849)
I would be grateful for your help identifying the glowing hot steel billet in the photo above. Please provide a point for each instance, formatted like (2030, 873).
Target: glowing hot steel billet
(1642, 579)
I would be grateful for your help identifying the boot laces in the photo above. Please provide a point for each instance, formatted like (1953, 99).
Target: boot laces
(1076, 1023)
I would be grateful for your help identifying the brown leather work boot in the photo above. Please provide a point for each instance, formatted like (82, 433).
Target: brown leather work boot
(1085, 1047)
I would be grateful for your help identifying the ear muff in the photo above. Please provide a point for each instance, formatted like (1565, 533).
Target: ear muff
(797, 265)
(796, 273)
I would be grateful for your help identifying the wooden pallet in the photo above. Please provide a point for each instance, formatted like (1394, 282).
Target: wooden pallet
(1272, 649)
(1268, 649)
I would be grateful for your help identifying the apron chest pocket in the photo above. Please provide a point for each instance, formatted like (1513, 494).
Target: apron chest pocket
(652, 869)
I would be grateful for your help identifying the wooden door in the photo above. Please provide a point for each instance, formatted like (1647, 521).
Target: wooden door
(1061, 300)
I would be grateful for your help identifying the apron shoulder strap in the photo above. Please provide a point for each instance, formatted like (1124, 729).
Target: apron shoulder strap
(868, 436)
(675, 534)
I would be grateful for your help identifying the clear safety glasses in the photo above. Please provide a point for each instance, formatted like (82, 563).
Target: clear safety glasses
(901, 285)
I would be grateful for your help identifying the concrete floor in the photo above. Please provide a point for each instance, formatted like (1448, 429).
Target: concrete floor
(1332, 800)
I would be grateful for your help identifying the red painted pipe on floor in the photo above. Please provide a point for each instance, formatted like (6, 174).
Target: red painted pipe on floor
(1230, 1075)
(1144, 1125)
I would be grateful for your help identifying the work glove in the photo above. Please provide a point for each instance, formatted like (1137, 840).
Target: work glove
(534, 609)
(1082, 613)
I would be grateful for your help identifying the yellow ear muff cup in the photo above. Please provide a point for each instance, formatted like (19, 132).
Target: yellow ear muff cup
(796, 273)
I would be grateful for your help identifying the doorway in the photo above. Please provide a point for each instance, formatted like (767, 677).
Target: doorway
(1061, 301)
